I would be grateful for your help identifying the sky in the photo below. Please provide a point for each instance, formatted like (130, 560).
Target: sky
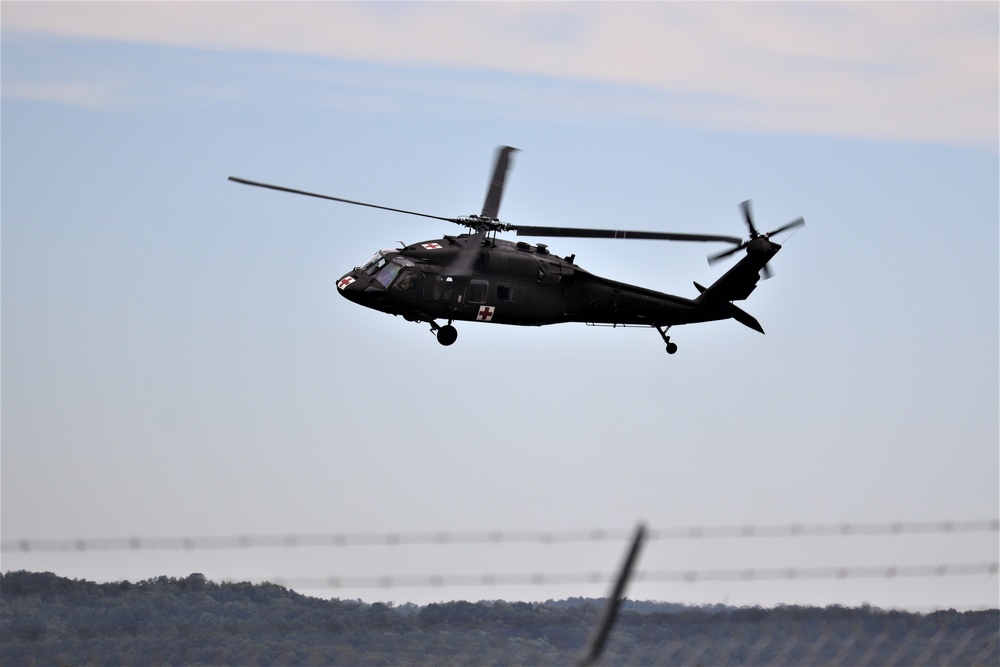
(177, 363)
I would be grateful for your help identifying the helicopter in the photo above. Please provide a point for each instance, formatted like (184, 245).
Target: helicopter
(478, 277)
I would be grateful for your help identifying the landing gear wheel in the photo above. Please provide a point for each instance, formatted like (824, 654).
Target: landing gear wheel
(447, 334)
(671, 347)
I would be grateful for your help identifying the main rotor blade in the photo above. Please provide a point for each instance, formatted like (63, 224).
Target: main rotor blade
(345, 201)
(461, 266)
(491, 207)
(581, 233)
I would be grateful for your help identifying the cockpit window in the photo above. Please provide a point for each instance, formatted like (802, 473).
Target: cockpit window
(374, 264)
(389, 271)
(407, 280)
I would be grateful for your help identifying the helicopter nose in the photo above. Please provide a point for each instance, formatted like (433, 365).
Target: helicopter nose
(351, 286)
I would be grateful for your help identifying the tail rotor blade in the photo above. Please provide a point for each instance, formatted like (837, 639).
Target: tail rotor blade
(798, 222)
(748, 217)
(754, 234)
(712, 259)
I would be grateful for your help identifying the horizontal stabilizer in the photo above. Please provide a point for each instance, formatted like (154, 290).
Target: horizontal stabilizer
(744, 318)
(733, 311)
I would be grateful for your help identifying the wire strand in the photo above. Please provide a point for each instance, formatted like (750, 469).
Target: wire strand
(494, 537)
(675, 576)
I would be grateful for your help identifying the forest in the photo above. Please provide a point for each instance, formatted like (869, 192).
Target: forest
(46, 619)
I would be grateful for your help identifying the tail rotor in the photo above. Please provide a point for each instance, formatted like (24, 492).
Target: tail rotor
(754, 235)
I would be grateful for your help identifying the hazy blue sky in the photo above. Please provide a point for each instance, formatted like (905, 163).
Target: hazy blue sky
(176, 360)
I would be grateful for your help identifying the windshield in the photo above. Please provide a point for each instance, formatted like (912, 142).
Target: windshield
(389, 271)
(374, 264)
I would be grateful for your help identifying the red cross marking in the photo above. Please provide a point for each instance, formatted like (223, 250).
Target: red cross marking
(485, 313)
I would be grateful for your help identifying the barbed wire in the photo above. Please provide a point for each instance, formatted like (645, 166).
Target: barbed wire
(295, 540)
(660, 576)
(830, 639)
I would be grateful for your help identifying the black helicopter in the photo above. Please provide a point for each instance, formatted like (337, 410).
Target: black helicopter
(478, 277)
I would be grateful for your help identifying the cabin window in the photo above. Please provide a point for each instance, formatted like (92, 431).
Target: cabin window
(503, 293)
(442, 288)
(477, 291)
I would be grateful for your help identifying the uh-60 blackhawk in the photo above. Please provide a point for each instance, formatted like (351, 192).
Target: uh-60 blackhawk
(478, 277)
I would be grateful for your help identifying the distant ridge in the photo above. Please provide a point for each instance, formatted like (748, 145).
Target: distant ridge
(46, 619)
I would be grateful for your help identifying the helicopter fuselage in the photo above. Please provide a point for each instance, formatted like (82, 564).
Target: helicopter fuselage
(479, 277)
(523, 284)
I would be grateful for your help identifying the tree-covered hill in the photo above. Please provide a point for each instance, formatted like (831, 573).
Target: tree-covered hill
(50, 620)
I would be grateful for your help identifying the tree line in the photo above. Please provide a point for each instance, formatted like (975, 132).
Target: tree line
(46, 619)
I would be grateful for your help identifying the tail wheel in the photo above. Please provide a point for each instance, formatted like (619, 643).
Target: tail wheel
(671, 347)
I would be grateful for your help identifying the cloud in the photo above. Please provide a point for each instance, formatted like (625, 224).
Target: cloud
(900, 71)
(89, 95)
